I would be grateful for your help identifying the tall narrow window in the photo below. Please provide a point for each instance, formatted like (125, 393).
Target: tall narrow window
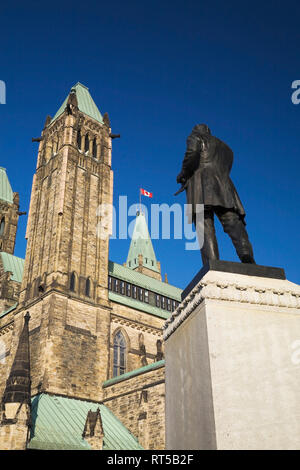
(2, 226)
(119, 365)
(88, 288)
(86, 143)
(79, 139)
(140, 294)
(159, 354)
(128, 289)
(134, 292)
(72, 282)
(116, 285)
(94, 148)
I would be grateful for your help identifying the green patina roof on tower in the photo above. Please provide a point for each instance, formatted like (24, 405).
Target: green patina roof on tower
(141, 244)
(86, 104)
(58, 424)
(13, 264)
(6, 193)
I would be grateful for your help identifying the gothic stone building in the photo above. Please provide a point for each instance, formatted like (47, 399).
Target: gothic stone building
(81, 352)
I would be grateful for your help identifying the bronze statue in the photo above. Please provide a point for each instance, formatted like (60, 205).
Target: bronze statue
(205, 177)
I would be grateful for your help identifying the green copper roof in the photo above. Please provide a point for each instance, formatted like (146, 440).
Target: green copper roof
(86, 103)
(58, 424)
(141, 244)
(6, 193)
(134, 373)
(13, 264)
(141, 280)
(10, 309)
(137, 305)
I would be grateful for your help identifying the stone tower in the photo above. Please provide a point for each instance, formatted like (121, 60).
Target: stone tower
(9, 214)
(66, 265)
(15, 405)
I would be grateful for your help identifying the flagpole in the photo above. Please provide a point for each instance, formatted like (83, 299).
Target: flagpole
(140, 200)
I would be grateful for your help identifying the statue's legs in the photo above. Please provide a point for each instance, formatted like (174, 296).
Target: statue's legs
(233, 225)
(209, 248)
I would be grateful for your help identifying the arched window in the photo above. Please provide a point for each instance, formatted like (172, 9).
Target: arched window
(88, 288)
(119, 365)
(72, 282)
(94, 148)
(159, 354)
(86, 143)
(79, 139)
(2, 226)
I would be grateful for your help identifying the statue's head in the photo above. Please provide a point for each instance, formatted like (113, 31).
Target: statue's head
(201, 129)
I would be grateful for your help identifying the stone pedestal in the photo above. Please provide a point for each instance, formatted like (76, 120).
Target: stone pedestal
(232, 353)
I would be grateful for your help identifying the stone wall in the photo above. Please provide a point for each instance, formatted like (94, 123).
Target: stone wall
(68, 346)
(139, 403)
(134, 324)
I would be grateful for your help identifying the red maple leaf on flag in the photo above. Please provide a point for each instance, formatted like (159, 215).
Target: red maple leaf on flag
(146, 193)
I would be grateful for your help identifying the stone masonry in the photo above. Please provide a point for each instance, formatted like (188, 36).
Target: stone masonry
(64, 287)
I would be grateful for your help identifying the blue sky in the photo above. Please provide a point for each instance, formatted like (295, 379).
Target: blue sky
(158, 68)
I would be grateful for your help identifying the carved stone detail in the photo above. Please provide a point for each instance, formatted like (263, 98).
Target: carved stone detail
(236, 289)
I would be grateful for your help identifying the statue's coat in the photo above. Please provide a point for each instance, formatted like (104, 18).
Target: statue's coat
(206, 166)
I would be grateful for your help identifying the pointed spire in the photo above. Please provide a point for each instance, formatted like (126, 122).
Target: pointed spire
(80, 97)
(17, 388)
(141, 255)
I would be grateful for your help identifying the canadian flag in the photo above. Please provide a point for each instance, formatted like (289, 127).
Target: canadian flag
(146, 193)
